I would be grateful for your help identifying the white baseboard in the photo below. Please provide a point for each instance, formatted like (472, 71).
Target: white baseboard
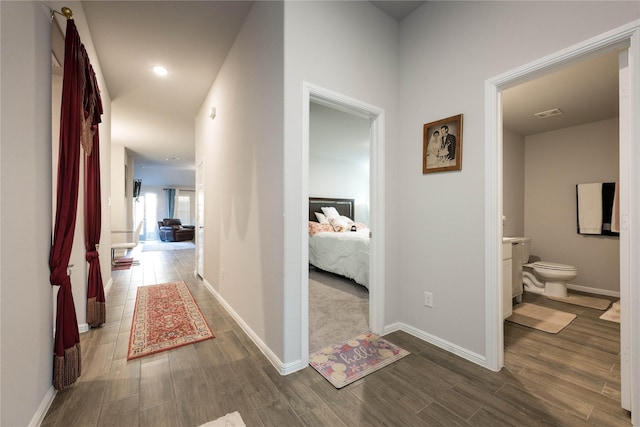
(84, 327)
(282, 368)
(43, 408)
(288, 368)
(108, 287)
(438, 342)
(593, 290)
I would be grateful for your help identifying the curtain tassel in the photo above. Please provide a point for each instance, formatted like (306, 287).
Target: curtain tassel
(96, 312)
(66, 369)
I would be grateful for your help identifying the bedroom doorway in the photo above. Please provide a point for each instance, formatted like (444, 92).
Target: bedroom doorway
(339, 145)
(368, 197)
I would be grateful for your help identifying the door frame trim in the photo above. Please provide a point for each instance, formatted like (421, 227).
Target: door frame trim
(200, 180)
(376, 116)
(629, 36)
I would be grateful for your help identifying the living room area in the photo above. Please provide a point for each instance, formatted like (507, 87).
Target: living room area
(167, 214)
(162, 218)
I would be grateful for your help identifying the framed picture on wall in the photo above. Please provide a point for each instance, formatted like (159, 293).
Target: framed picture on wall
(442, 145)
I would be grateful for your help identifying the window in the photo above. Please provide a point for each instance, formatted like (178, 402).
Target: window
(184, 209)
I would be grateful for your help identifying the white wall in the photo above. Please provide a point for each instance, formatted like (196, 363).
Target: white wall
(26, 353)
(339, 157)
(350, 48)
(448, 50)
(242, 151)
(554, 163)
(119, 199)
(25, 221)
(513, 184)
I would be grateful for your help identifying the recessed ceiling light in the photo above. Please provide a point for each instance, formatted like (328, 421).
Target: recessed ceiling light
(548, 113)
(160, 71)
(173, 158)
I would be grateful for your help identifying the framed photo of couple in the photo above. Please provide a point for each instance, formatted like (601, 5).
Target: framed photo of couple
(442, 145)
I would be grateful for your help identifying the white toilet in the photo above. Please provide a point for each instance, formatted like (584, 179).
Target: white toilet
(544, 277)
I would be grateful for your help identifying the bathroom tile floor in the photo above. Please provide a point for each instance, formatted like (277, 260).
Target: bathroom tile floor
(577, 369)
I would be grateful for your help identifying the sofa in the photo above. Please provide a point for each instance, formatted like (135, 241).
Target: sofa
(172, 230)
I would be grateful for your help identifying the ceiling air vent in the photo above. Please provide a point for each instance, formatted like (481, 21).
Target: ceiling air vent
(548, 113)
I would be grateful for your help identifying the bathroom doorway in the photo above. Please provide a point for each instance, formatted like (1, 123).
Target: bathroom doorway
(618, 39)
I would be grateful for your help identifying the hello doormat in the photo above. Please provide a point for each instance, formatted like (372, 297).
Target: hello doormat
(165, 317)
(344, 363)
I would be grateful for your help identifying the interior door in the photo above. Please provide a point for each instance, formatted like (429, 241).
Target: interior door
(200, 220)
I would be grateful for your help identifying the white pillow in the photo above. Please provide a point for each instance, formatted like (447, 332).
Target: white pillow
(339, 224)
(330, 213)
(321, 218)
(346, 218)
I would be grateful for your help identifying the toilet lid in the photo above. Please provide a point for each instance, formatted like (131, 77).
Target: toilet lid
(554, 266)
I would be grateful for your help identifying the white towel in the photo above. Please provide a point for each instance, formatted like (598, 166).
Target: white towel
(590, 208)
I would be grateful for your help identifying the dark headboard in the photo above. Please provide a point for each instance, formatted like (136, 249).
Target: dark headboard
(343, 206)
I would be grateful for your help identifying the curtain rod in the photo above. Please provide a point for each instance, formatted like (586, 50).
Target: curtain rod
(65, 11)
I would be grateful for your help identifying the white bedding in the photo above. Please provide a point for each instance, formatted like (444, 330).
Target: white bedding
(346, 254)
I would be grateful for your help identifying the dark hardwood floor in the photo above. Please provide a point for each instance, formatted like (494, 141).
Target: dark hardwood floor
(568, 379)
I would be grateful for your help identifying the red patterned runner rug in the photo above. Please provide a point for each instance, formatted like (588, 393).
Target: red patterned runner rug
(165, 317)
(344, 363)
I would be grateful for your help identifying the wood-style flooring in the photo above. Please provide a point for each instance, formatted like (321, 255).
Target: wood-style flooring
(569, 379)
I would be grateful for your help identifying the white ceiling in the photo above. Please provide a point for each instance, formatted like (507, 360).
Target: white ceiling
(398, 9)
(585, 92)
(154, 117)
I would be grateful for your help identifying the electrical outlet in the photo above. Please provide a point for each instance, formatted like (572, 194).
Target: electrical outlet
(428, 299)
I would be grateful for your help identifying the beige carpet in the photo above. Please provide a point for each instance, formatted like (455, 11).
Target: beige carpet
(541, 318)
(584, 301)
(338, 309)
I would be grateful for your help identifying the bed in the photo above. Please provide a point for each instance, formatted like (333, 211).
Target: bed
(340, 252)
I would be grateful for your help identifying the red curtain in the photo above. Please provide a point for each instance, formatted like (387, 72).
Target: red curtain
(78, 125)
(66, 366)
(96, 307)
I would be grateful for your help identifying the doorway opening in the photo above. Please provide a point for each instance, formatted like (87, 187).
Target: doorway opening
(624, 38)
(145, 209)
(375, 117)
(543, 161)
(339, 147)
